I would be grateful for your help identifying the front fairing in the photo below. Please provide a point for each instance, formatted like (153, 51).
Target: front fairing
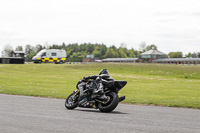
(80, 86)
(80, 83)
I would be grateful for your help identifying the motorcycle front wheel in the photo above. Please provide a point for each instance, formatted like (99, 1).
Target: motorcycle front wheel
(72, 101)
(111, 104)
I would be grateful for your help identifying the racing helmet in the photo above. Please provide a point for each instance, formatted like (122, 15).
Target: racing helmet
(104, 71)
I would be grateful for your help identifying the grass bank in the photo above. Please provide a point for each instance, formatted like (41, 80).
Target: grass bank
(157, 84)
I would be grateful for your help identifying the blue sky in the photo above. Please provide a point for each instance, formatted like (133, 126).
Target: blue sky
(172, 25)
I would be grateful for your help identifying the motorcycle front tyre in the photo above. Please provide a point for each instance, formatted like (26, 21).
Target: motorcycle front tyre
(71, 104)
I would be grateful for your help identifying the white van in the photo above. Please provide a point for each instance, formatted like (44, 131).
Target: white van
(50, 55)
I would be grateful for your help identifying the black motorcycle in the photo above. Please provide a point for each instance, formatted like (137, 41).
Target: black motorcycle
(84, 96)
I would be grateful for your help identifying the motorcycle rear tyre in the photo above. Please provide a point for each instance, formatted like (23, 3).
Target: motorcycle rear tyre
(111, 104)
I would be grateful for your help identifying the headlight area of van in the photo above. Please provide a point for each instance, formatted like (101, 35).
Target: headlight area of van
(36, 59)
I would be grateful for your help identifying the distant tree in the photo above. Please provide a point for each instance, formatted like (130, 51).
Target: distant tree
(30, 56)
(188, 55)
(103, 50)
(63, 45)
(69, 52)
(19, 48)
(96, 47)
(97, 53)
(131, 53)
(30, 51)
(194, 55)
(74, 55)
(110, 53)
(90, 48)
(76, 52)
(38, 47)
(179, 54)
(73, 47)
(137, 53)
(113, 47)
(121, 53)
(82, 54)
(175, 54)
(152, 46)
(7, 50)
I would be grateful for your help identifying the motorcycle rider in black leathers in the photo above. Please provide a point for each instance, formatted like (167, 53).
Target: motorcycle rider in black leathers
(98, 90)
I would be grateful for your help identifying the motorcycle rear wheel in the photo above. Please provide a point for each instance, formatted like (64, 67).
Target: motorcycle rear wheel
(70, 102)
(111, 104)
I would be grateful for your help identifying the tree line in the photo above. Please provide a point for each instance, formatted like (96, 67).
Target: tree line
(76, 52)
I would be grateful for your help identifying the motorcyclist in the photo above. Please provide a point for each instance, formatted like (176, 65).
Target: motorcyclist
(99, 89)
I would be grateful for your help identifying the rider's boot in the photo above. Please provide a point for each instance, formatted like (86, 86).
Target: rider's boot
(99, 90)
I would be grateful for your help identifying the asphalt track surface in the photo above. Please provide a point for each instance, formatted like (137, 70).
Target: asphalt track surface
(24, 114)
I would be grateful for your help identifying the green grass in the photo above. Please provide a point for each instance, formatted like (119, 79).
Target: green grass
(157, 84)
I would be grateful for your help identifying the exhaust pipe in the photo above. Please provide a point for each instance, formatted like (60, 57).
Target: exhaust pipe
(121, 98)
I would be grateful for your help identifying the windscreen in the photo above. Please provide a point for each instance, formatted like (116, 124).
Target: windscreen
(40, 53)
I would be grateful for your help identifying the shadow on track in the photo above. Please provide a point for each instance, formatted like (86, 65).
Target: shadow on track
(97, 111)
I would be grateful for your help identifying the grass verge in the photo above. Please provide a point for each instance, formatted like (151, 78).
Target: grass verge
(157, 84)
